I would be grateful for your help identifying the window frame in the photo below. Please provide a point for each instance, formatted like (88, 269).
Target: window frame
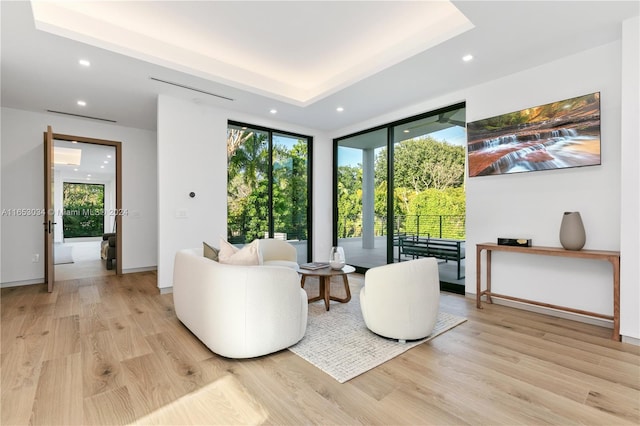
(270, 133)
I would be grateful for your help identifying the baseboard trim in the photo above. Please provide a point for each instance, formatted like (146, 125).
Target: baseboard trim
(548, 311)
(165, 290)
(41, 280)
(631, 340)
(21, 283)
(136, 270)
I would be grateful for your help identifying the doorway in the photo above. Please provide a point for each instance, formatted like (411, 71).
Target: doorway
(83, 203)
(84, 197)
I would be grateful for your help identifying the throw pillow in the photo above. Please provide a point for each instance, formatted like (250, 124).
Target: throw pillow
(247, 255)
(209, 252)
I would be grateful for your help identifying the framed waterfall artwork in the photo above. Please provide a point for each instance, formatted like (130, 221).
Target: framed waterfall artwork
(558, 135)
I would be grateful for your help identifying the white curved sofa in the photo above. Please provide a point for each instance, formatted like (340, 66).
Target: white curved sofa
(401, 300)
(239, 311)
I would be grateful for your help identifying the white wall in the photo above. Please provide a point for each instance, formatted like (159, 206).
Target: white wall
(192, 156)
(531, 204)
(630, 218)
(22, 187)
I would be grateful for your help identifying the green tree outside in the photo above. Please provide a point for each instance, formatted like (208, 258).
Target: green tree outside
(248, 166)
(428, 194)
(83, 214)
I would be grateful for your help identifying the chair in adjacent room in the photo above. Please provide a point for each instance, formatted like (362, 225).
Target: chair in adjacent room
(108, 249)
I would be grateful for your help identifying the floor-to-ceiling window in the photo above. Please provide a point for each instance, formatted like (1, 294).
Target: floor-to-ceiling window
(269, 180)
(402, 180)
(361, 197)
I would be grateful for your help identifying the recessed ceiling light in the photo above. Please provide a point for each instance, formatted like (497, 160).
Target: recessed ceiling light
(88, 175)
(105, 162)
(467, 58)
(82, 103)
(84, 63)
(406, 130)
(109, 156)
(74, 141)
(102, 167)
(273, 111)
(75, 170)
(340, 109)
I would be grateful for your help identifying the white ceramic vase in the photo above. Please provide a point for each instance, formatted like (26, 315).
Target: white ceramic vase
(572, 234)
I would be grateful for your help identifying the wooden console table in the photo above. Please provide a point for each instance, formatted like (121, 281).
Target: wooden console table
(611, 256)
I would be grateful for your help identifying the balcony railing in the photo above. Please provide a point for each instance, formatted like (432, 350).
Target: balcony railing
(437, 226)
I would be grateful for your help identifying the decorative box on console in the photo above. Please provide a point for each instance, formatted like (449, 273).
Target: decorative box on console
(518, 242)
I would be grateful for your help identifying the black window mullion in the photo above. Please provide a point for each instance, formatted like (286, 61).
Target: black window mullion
(270, 226)
(390, 197)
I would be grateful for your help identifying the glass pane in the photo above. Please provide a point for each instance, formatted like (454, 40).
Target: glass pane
(428, 193)
(83, 210)
(290, 182)
(362, 198)
(247, 187)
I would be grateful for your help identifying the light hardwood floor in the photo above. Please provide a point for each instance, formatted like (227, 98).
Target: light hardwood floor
(109, 350)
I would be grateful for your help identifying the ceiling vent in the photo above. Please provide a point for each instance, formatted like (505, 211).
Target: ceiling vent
(82, 116)
(183, 86)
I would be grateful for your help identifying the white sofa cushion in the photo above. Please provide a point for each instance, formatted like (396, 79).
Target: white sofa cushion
(248, 255)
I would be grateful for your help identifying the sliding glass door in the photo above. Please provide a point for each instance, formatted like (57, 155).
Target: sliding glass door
(268, 185)
(398, 181)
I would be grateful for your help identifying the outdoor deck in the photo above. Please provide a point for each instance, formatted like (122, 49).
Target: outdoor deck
(368, 258)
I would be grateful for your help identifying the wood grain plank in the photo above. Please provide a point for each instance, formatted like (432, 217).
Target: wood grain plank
(58, 397)
(101, 370)
(64, 338)
(149, 389)
(113, 407)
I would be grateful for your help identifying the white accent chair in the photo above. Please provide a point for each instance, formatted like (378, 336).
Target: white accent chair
(239, 311)
(401, 300)
(278, 252)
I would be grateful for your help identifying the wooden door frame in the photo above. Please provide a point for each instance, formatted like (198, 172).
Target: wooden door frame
(118, 146)
(49, 267)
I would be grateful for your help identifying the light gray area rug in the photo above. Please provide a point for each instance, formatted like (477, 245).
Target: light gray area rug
(339, 343)
(62, 254)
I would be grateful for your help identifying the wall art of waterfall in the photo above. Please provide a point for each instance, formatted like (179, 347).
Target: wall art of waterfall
(553, 136)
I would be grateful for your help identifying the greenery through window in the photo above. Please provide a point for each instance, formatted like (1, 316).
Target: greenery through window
(83, 214)
(268, 181)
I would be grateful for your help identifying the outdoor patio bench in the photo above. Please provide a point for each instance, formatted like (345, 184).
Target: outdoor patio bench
(439, 248)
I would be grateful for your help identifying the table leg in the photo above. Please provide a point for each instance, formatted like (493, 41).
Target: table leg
(324, 292)
(478, 278)
(321, 290)
(615, 263)
(488, 291)
(345, 299)
(325, 289)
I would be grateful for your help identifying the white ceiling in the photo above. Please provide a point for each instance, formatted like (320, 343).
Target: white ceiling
(301, 58)
(97, 162)
(298, 52)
